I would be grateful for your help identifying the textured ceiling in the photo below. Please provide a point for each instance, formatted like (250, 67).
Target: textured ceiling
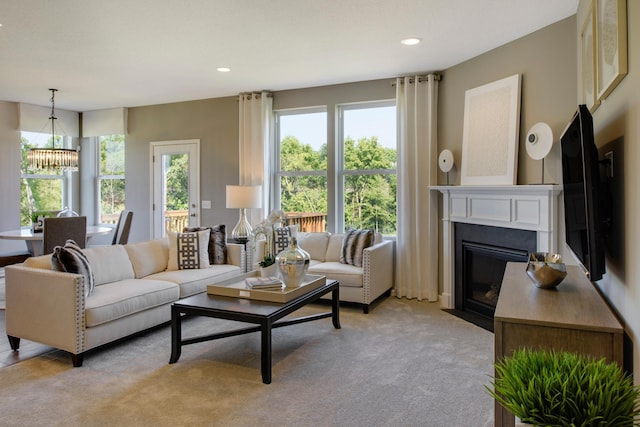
(127, 53)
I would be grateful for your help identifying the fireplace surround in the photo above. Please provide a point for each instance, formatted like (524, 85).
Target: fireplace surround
(521, 207)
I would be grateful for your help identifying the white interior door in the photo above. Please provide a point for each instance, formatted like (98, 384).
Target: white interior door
(176, 186)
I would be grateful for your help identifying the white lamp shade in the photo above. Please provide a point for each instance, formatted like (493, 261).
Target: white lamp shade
(244, 196)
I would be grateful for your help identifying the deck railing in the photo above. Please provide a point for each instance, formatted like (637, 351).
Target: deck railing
(177, 220)
(307, 221)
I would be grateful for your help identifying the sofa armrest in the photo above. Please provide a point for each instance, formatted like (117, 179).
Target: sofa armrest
(378, 270)
(46, 306)
(236, 254)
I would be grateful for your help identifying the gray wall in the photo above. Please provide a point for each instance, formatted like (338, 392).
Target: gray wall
(546, 60)
(9, 174)
(617, 127)
(215, 123)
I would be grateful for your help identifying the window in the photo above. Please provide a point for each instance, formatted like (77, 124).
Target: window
(41, 191)
(111, 179)
(357, 169)
(301, 172)
(368, 174)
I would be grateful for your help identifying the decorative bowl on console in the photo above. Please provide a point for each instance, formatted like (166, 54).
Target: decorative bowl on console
(546, 270)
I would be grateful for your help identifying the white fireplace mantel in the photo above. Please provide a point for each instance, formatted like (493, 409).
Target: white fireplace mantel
(524, 207)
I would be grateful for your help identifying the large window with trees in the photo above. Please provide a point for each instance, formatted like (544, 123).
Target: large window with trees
(359, 164)
(367, 138)
(301, 173)
(111, 178)
(41, 191)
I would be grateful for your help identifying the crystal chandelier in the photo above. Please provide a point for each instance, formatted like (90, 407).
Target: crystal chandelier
(53, 159)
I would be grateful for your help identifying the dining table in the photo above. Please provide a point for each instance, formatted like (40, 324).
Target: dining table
(34, 240)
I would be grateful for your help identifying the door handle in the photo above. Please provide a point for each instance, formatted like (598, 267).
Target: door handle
(193, 214)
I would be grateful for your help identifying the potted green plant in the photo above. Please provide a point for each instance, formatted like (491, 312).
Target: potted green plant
(37, 221)
(265, 228)
(548, 388)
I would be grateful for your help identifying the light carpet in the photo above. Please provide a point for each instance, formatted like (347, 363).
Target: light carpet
(406, 363)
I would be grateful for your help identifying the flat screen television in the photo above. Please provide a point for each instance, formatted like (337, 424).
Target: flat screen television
(583, 197)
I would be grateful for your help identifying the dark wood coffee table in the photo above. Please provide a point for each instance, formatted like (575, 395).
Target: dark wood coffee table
(262, 313)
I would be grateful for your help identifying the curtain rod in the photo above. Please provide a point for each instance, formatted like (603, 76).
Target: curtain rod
(437, 77)
(257, 95)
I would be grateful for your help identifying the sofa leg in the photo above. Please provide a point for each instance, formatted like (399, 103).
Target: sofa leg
(365, 308)
(14, 342)
(77, 359)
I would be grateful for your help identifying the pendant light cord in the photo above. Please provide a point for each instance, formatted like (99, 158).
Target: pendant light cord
(53, 117)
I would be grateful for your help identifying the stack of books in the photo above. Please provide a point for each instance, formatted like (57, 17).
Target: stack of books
(264, 283)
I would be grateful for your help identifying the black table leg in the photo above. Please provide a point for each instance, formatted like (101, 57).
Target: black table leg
(335, 307)
(266, 351)
(176, 335)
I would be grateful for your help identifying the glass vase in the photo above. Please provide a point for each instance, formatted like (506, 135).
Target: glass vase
(293, 263)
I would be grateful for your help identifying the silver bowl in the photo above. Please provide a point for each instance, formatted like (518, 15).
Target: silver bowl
(546, 270)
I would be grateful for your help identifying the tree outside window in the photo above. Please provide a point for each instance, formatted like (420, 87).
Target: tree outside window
(365, 166)
(40, 191)
(111, 177)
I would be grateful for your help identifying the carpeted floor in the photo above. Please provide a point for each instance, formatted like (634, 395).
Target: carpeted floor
(407, 363)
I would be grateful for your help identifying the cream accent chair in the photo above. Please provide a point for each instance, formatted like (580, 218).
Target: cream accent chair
(362, 285)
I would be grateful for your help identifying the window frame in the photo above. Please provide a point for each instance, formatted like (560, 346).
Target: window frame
(64, 176)
(341, 172)
(99, 177)
(335, 172)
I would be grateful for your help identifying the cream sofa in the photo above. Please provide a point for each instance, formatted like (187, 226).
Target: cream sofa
(133, 292)
(361, 285)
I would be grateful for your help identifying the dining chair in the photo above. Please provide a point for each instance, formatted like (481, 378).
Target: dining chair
(58, 230)
(123, 226)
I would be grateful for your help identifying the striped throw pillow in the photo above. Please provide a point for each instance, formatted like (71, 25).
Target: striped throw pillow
(70, 259)
(353, 246)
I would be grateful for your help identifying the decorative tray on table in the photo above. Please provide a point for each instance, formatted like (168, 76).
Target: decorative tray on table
(238, 287)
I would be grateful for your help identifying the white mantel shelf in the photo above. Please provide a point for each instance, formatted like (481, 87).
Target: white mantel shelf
(523, 207)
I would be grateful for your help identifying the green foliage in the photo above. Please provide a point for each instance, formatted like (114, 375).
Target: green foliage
(112, 164)
(564, 389)
(177, 183)
(369, 198)
(267, 260)
(37, 194)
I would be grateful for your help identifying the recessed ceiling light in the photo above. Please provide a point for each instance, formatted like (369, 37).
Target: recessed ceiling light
(411, 41)
(223, 69)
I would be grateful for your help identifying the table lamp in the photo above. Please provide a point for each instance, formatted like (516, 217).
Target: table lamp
(243, 197)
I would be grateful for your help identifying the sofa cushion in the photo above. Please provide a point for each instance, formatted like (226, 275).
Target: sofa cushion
(281, 236)
(109, 263)
(217, 242)
(42, 261)
(119, 299)
(354, 244)
(196, 281)
(347, 275)
(148, 257)
(188, 251)
(334, 248)
(70, 259)
(315, 244)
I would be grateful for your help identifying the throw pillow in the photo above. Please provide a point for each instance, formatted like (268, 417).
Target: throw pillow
(188, 251)
(353, 246)
(280, 239)
(70, 259)
(217, 242)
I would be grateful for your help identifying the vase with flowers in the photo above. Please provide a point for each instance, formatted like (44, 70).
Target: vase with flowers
(265, 230)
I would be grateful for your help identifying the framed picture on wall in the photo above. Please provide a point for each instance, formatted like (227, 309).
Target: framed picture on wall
(588, 62)
(490, 134)
(611, 44)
